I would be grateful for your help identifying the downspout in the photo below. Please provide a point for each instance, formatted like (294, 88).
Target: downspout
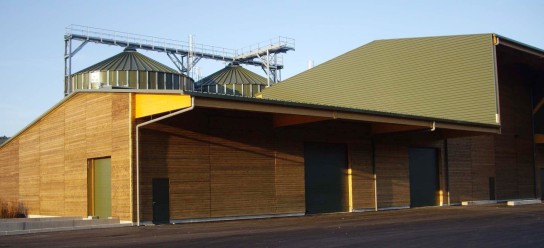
(138, 151)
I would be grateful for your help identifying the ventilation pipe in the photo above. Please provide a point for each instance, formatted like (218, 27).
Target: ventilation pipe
(138, 151)
(310, 64)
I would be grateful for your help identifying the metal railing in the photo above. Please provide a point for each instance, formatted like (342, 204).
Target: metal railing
(275, 45)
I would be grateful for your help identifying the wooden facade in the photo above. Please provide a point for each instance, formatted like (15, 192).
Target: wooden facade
(45, 166)
(223, 163)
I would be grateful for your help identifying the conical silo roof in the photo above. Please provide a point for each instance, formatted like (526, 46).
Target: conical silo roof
(233, 74)
(129, 60)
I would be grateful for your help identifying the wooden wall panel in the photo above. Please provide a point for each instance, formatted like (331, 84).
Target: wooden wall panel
(460, 169)
(54, 153)
(483, 163)
(393, 177)
(289, 173)
(242, 163)
(29, 172)
(52, 163)
(362, 175)
(75, 164)
(176, 151)
(9, 176)
(514, 147)
(121, 123)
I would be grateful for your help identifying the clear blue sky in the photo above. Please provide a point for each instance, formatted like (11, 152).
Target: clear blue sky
(32, 45)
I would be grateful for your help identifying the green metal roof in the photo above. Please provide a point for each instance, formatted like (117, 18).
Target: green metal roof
(129, 60)
(233, 74)
(447, 78)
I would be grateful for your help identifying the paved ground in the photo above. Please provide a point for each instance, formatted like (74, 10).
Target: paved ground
(478, 226)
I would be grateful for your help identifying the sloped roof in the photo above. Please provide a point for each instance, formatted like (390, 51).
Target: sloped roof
(129, 60)
(447, 78)
(233, 74)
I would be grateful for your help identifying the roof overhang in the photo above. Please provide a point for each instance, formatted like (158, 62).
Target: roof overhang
(501, 40)
(307, 113)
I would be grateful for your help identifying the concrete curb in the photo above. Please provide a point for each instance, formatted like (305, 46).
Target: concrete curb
(25, 226)
(60, 229)
(481, 202)
(523, 202)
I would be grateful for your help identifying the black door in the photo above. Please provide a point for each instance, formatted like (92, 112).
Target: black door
(161, 201)
(542, 184)
(325, 179)
(423, 177)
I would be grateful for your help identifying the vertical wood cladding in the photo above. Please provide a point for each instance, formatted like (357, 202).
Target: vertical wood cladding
(50, 163)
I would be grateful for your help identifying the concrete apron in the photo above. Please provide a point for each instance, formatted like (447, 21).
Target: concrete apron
(36, 225)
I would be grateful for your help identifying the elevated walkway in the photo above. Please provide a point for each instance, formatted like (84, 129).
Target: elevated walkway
(52, 224)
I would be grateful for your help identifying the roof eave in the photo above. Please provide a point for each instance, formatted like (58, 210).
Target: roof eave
(519, 46)
(349, 113)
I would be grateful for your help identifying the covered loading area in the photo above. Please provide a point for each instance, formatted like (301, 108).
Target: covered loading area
(341, 171)
(521, 88)
(249, 157)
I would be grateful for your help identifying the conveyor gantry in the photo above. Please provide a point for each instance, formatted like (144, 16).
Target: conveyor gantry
(183, 54)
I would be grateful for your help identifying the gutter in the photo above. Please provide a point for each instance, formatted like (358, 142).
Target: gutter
(138, 151)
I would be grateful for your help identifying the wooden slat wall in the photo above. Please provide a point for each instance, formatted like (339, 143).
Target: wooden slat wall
(218, 165)
(460, 169)
(362, 175)
(180, 153)
(29, 172)
(483, 163)
(289, 172)
(242, 165)
(9, 176)
(514, 147)
(52, 163)
(121, 122)
(75, 169)
(53, 155)
(225, 163)
(393, 177)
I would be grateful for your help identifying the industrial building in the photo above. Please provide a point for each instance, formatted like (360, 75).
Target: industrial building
(396, 123)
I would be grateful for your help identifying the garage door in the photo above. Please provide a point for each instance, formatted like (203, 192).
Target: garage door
(423, 177)
(325, 167)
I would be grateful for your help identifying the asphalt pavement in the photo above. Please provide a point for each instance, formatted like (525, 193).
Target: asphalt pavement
(472, 226)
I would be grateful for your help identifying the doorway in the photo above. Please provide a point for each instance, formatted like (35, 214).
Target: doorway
(423, 177)
(99, 187)
(325, 171)
(161, 200)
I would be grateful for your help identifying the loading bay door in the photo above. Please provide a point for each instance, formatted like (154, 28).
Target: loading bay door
(423, 177)
(325, 167)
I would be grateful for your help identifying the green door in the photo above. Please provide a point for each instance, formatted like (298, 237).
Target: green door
(325, 167)
(100, 201)
(423, 177)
